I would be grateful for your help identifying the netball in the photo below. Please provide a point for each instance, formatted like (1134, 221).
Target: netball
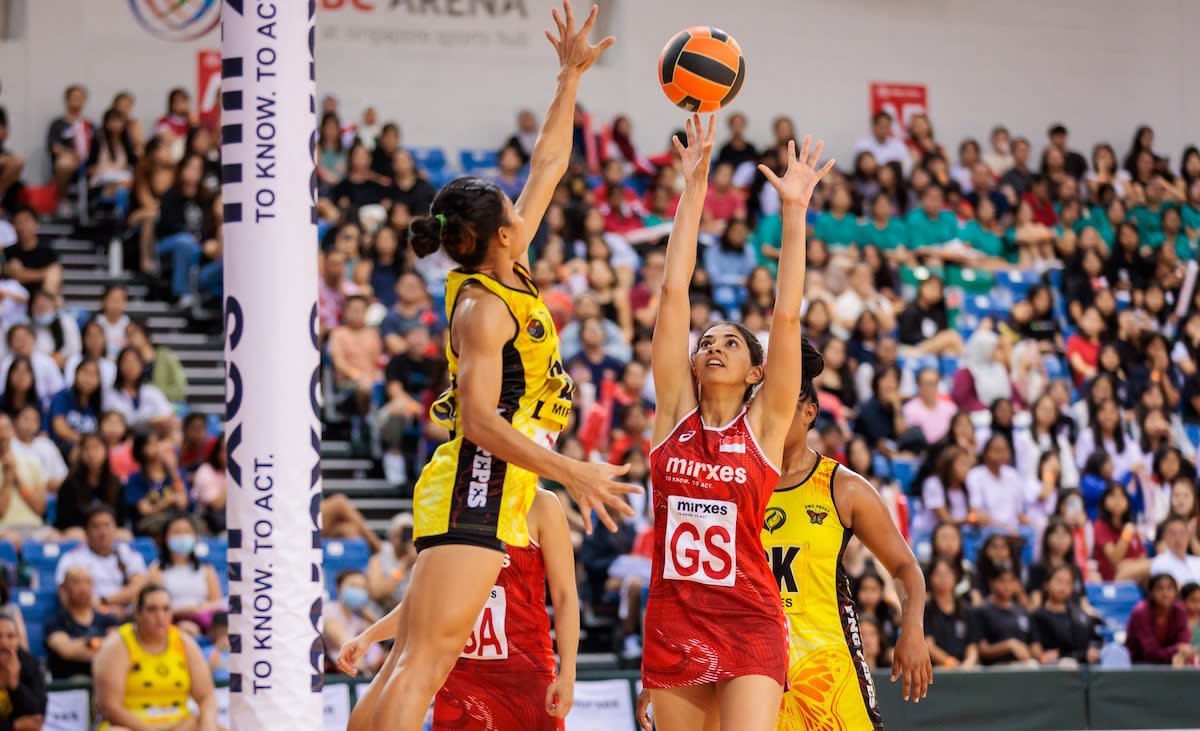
(701, 69)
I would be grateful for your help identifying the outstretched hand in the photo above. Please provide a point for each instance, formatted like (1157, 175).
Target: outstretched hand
(594, 488)
(696, 156)
(802, 175)
(574, 51)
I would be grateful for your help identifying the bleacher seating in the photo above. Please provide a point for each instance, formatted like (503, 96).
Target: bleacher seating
(1193, 434)
(1114, 601)
(8, 553)
(430, 159)
(475, 162)
(343, 555)
(42, 558)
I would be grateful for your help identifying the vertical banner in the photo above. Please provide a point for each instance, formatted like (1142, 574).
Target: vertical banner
(208, 88)
(268, 135)
(902, 101)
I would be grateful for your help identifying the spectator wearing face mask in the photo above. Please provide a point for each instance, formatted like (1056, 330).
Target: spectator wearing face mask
(55, 332)
(195, 592)
(347, 616)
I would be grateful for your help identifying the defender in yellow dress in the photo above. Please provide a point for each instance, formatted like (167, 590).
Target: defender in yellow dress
(818, 506)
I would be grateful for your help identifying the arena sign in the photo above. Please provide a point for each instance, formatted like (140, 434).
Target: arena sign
(177, 20)
(511, 28)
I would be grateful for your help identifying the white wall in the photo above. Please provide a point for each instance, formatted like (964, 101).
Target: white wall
(1100, 66)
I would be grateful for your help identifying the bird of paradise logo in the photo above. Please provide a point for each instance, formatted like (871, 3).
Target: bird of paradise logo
(177, 20)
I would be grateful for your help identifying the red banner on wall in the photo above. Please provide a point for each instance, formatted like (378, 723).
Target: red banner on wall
(208, 88)
(902, 101)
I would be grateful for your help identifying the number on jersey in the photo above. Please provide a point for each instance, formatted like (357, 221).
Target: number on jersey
(488, 640)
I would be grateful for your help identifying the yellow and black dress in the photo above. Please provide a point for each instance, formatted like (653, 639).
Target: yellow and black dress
(466, 495)
(829, 684)
(158, 686)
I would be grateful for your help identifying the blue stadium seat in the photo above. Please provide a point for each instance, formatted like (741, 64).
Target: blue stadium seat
(440, 179)
(215, 551)
(880, 464)
(51, 508)
(920, 363)
(980, 306)
(37, 606)
(904, 471)
(37, 638)
(1114, 601)
(146, 548)
(430, 159)
(949, 365)
(43, 559)
(1017, 281)
(212, 550)
(1193, 434)
(8, 553)
(476, 161)
(1056, 368)
(343, 554)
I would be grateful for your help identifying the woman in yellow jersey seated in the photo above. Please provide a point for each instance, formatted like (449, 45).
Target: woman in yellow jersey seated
(146, 673)
(814, 511)
(509, 398)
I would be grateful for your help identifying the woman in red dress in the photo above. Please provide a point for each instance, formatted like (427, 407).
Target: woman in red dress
(715, 651)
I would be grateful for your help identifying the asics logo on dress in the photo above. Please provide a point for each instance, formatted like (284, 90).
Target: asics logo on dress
(686, 437)
(705, 471)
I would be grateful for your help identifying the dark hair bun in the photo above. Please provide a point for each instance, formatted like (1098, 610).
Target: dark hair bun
(425, 235)
(812, 363)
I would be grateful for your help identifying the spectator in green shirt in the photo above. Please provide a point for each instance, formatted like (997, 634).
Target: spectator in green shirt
(1148, 215)
(1172, 235)
(931, 224)
(1191, 212)
(985, 235)
(837, 226)
(884, 230)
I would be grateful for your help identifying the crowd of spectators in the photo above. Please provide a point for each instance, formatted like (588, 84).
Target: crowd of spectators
(1012, 349)
(1011, 346)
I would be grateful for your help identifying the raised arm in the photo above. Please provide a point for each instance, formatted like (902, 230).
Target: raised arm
(674, 393)
(771, 411)
(552, 152)
(480, 343)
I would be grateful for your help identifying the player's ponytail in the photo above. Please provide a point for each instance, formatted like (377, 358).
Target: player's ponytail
(465, 217)
(812, 364)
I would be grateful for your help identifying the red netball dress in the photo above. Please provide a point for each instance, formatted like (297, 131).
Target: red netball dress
(500, 680)
(713, 611)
